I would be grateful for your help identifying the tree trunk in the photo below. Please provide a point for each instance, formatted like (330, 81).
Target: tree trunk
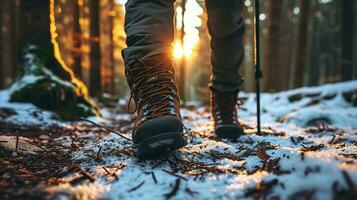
(312, 43)
(15, 39)
(107, 45)
(272, 65)
(54, 84)
(298, 75)
(34, 15)
(7, 49)
(2, 76)
(76, 53)
(347, 39)
(95, 72)
(111, 51)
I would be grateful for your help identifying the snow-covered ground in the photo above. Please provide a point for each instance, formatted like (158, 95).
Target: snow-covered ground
(308, 149)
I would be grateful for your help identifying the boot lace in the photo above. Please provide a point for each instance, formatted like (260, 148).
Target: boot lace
(154, 89)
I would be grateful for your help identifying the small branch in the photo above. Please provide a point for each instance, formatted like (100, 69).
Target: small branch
(349, 181)
(154, 177)
(106, 128)
(106, 170)
(98, 153)
(17, 142)
(136, 187)
(88, 176)
(174, 190)
(173, 174)
(332, 141)
(43, 149)
(191, 192)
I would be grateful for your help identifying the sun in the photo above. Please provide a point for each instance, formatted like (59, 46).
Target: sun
(192, 20)
(180, 52)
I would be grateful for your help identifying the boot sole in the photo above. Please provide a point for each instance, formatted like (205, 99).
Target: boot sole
(229, 131)
(160, 145)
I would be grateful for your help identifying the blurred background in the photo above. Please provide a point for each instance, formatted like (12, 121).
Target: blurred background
(304, 43)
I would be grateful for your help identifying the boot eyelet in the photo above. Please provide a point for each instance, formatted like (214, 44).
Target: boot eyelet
(172, 111)
(146, 113)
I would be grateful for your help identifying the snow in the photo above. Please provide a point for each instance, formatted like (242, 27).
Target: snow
(299, 112)
(26, 113)
(287, 137)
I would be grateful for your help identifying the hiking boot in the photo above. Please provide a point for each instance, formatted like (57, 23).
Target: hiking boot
(158, 126)
(224, 113)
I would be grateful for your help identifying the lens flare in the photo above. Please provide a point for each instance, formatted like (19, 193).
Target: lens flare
(192, 22)
(178, 50)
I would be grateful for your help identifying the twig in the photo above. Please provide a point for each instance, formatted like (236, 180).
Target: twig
(154, 177)
(106, 170)
(348, 180)
(332, 141)
(106, 128)
(87, 175)
(43, 149)
(98, 153)
(190, 192)
(173, 174)
(172, 164)
(136, 187)
(214, 155)
(17, 142)
(174, 190)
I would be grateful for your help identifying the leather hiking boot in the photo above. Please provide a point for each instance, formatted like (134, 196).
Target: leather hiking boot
(158, 126)
(224, 113)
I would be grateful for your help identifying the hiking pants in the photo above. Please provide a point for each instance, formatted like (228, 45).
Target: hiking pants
(149, 27)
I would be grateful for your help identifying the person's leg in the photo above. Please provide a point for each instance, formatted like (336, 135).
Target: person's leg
(149, 29)
(226, 28)
(150, 74)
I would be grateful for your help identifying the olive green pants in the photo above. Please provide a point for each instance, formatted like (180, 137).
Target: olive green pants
(150, 32)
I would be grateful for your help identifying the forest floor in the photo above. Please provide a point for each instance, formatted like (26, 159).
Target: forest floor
(307, 150)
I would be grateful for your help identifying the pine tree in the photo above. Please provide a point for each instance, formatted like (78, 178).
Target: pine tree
(47, 81)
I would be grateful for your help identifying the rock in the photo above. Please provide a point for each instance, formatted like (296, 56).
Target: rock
(51, 87)
(7, 112)
(295, 97)
(8, 143)
(318, 121)
(351, 97)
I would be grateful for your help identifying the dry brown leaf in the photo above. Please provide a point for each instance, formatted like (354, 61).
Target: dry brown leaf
(262, 155)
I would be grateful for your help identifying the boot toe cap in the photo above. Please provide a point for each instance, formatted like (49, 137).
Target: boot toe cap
(157, 126)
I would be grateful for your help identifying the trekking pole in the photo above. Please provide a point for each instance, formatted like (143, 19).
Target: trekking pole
(258, 71)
